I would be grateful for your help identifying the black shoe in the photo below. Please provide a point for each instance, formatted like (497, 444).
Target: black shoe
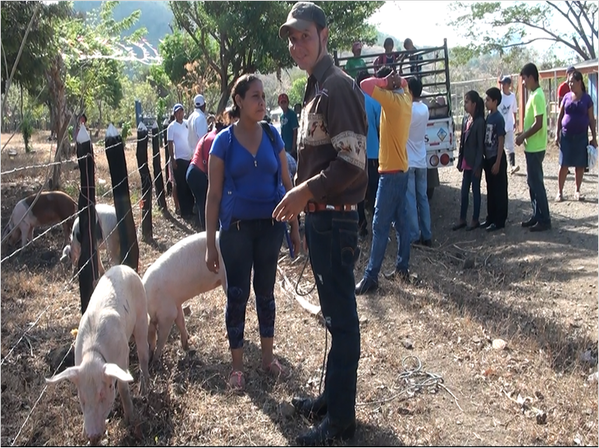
(531, 222)
(486, 223)
(472, 227)
(538, 227)
(326, 433)
(366, 285)
(491, 227)
(398, 274)
(427, 243)
(310, 407)
(459, 226)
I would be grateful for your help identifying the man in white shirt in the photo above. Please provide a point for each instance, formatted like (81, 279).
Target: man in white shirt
(180, 156)
(197, 122)
(508, 109)
(418, 211)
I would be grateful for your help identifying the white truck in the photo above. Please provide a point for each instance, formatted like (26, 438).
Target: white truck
(431, 66)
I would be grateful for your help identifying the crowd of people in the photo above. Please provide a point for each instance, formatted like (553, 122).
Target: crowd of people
(357, 148)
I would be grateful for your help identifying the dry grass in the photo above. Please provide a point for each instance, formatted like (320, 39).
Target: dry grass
(537, 292)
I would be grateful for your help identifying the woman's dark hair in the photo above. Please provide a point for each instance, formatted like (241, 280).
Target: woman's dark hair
(577, 76)
(222, 120)
(388, 41)
(362, 75)
(242, 85)
(479, 111)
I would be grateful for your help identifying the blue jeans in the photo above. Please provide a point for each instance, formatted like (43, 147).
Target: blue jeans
(332, 239)
(468, 178)
(390, 206)
(246, 244)
(197, 181)
(419, 213)
(536, 186)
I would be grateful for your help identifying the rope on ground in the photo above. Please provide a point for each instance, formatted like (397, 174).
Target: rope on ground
(414, 379)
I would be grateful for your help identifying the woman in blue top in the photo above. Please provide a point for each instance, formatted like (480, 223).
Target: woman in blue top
(248, 176)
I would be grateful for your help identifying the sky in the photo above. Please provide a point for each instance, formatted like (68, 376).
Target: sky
(427, 23)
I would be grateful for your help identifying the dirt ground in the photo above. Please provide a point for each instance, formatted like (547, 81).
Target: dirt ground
(536, 292)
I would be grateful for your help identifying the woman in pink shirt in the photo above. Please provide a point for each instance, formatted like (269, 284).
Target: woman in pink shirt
(197, 173)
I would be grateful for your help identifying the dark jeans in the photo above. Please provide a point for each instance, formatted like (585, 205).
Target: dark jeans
(373, 183)
(496, 192)
(468, 178)
(332, 239)
(246, 244)
(183, 192)
(197, 181)
(536, 186)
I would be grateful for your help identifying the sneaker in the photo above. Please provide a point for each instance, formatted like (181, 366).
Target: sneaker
(366, 285)
(515, 169)
(578, 196)
(559, 197)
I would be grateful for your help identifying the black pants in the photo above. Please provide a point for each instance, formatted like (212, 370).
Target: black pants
(197, 181)
(184, 194)
(496, 192)
(373, 183)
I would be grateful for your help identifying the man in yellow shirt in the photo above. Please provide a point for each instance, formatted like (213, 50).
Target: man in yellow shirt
(392, 92)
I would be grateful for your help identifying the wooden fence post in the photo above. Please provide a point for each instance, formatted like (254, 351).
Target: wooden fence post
(88, 267)
(115, 153)
(157, 166)
(146, 181)
(169, 183)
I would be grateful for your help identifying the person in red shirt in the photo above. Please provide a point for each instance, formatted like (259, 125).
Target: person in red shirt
(564, 87)
(197, 173)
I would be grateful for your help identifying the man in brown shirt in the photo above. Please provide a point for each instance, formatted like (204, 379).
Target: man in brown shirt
(331, 179)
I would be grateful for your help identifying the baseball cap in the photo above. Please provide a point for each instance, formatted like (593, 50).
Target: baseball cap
(177, 107)
(505, 80)
(199, 100)
(283, 96)
(570, 69)
(301, 16)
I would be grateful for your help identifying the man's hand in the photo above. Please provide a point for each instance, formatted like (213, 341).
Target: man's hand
(495, 168)
(394, 81)
(293, 203)
(520, 139)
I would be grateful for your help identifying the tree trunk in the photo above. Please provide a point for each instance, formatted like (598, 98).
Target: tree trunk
(56, 88)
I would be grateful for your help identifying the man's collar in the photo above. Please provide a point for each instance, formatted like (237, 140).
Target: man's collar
(321, 67)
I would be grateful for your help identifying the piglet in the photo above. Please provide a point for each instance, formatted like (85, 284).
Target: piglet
(107, 236)
(51, 207)
(176, 276)
(117, 309)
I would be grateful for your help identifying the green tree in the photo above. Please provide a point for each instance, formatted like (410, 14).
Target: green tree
(491, 26)
(242, 37)
(296, 93)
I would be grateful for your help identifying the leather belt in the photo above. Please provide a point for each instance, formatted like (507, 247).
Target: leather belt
(313, 207)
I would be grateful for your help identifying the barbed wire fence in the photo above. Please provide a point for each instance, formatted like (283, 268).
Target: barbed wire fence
(124, 253)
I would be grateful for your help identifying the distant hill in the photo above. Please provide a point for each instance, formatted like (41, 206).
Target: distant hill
(155, 16)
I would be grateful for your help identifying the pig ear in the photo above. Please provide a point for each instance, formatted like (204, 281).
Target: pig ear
(115, 371)
(72, 373)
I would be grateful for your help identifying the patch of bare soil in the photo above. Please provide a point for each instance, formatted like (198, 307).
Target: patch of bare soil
(536, 292)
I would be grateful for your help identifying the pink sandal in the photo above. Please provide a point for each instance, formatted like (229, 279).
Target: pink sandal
(276, 369)
(237, 380)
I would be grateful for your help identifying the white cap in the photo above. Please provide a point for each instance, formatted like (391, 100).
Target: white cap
(199, 100)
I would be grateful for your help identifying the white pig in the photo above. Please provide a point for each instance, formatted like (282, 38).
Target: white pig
(107, 235)
(176, 276)
(117, 309)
